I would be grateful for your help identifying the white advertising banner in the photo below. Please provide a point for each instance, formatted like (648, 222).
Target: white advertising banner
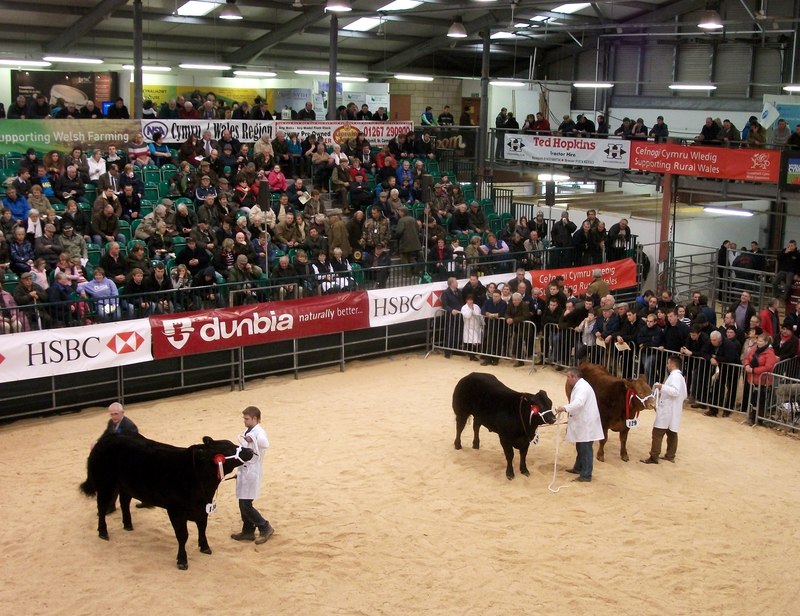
(403, 304)
(608, 153)
(377, 133)
(73, 350)
(178, 131)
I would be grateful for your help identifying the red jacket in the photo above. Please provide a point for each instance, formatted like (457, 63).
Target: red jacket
(768, 321)
(766, 363)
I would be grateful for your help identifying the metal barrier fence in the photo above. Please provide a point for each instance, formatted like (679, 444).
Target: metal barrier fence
(484, 339)
(777, 399)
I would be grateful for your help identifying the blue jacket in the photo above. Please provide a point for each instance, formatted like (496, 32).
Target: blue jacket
(19, 208)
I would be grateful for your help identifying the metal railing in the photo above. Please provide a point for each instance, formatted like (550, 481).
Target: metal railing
(484, 339)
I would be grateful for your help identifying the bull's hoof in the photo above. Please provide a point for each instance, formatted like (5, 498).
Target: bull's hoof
(128, 527)
(625, 458)
(476, 445)
(206, 550)
(601, 458)
(525, 472)
(183, 566)
(458, 445)
(103, 536)
(509, 476)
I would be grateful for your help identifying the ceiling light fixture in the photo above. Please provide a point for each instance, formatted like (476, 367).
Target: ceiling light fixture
(149, 68)
(352, 79)
(791, 88)
(72, 60)
(597, 85)
(254, 73)
(27, 63)
(710, 20)
(305, 71)
(554, 177)
(338, 6)
(231, 11)
(196, 8)
(457, 29)
(506, 83)
(206, 67)
(727, 211)
(692, 86)
(407, 77)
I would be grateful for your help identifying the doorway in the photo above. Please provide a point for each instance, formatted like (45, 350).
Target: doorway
(400, 107)
(473, 108)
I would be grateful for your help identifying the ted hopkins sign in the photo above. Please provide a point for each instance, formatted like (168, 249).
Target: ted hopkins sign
(609, 153)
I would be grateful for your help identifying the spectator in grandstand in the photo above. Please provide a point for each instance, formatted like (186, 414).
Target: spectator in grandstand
(29, 297)
(136, 302)
(96, 166)
(660, 130)
(562, 240)
(118, 111)
(105, 226)
(639, 129)
(193, 257)
(19, 110)
(724, 355)
(139, 151)
(743, 310)
(22, 253)
(427, 119)
(729, 135)
(114, 264)
(17, 204)
(161, 284)
(781, 134)
(788, 264)
(786, 345)
(48, 246)
(39, 109)
(756, 135)
(709, 133)
(160, 153)
(769, 318)
(169, 110)
(517, 312)
(138, 259)
(105, 294)
(626, 129)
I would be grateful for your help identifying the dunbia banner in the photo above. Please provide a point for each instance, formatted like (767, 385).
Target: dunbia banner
(746, 164)
(73, 350)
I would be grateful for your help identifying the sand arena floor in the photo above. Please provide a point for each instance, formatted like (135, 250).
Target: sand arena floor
(376, 513)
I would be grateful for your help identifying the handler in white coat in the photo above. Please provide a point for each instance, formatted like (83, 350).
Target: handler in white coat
(473, 327)
(584, 425)
(668, 412)
(248, 479)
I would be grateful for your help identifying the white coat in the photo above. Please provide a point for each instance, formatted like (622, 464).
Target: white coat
(248, 478)
(670, 406)
(584, 416)
(473, 324)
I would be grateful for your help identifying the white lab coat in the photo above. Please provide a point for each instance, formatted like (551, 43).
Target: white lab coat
(670, 406)
(248, 478)
(584, 416)
(473, 324)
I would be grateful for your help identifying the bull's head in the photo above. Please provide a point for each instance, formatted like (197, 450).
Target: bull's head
(643, 393)
(541, 408)
(225, 455)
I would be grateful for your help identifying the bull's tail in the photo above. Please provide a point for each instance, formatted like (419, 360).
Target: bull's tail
(88, 487)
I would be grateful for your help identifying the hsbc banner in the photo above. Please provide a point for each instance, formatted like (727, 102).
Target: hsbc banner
(214, 330)
(608, 153)
(377, 133)
(72, 350)
(178, 131)
(754, 165)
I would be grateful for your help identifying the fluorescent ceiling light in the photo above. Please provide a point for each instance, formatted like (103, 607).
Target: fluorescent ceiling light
(231, 11)
(195, 8)
(710, 21)
(571, 7)
(401, 5)
(255, 73)
(692, 86)
(791, 88)
(503, 35)
(31, 63)
(540, 18)
(303, 71)
(554, 177)
(597, 85)
(72, 60)
(352, 79)
(149, 68)
(406, 77)
(363, 25)
(338, 6)
(727, 212)
(457, 29)
(507, 84)
(206, 67)
(522, 25)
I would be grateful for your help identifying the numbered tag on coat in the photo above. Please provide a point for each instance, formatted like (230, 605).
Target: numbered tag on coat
(211, 507)
(632, 423)
(535, 439)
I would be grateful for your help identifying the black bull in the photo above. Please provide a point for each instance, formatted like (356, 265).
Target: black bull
(182, 480)
(513, 415)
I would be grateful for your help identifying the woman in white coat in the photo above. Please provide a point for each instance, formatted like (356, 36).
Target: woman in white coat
(473, 327)
(668, 412)
(248, 479)
(584, 426)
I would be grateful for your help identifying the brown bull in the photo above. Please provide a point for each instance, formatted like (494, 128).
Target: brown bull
(617, 403)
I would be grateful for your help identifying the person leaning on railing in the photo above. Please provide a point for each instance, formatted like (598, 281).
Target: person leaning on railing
(758, 366)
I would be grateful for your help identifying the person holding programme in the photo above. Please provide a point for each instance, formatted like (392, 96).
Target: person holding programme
(584, 425)
(668, 412)
(248, 479)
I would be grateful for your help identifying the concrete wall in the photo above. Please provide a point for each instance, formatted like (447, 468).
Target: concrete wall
(436, 93)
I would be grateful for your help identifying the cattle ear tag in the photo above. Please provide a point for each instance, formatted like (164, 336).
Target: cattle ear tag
(211, 507)
(535, 439)
(632, 423)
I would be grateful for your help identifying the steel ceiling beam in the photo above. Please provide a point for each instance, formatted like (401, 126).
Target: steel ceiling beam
(67, 39)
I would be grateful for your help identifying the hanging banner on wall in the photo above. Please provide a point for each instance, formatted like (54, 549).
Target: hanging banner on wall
(74, 350)
(227, 328)
(377, 133)
(754, 165)
(178, 131)
(62, 135)
(77, 88)
(608, 153)
(461, 139)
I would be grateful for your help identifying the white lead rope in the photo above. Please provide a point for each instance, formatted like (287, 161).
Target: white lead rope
(558, 425)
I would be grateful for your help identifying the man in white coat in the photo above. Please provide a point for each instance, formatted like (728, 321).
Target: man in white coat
(584, 426)
(248, 479)
(668, 412)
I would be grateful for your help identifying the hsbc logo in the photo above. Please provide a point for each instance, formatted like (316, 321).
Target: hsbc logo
(125, 342)
(400, 304)
(435, 299)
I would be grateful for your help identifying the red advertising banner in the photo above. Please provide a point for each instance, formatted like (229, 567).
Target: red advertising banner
(753, 165)
(618, 274)
(226, 328)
